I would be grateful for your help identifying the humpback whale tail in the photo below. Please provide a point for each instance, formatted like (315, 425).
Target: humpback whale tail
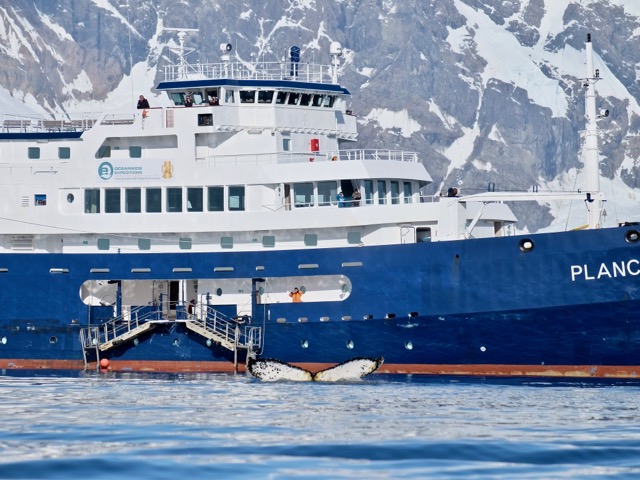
(272, 370)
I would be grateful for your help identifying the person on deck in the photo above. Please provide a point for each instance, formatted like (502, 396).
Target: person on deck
(142, 102)
(356, 197)
(340, 198)
(188, 102)
(296, 295)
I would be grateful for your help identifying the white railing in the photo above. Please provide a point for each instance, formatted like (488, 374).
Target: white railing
(307, 72)
(13, 123)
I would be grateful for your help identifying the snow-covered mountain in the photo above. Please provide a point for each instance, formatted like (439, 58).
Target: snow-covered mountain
(487, 91)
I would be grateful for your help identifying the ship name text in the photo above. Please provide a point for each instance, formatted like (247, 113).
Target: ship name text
(605, 270)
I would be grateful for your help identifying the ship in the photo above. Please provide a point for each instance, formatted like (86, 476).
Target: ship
(236, 223)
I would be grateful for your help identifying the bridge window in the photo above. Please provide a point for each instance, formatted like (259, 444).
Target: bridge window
(281, 97)
(247, 96)
(293, 98)
(317, 100)
(265, 96)
(229, 96)
(132, 200)
(236, 198)
(112, 200)
(92, 200)
(328, 100)
(216, 199)
(305, 99)
(174, 199)
(154, 200)
(64, 153)
(194, 199)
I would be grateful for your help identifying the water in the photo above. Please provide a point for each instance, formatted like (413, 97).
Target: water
(105, 425)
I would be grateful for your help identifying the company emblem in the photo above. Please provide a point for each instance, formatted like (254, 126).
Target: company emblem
(105, 170)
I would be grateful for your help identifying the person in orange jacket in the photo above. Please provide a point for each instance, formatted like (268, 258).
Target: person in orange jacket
(296, 295)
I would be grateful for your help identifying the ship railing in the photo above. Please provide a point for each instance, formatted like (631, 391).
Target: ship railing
(230, 332)
(306, 157)
(68, 122)
(258, 70)
(130, 320)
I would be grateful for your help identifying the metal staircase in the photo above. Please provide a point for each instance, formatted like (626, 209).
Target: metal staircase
(231, 334)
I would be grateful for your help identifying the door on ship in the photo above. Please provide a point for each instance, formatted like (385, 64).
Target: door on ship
(174, 297)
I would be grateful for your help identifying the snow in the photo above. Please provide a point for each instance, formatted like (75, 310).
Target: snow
(388, 119)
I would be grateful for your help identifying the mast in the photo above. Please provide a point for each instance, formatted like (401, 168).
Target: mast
(595, 199)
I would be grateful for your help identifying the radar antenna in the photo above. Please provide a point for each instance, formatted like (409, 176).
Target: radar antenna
(181, 51)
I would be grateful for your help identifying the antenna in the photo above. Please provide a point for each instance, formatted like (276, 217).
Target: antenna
(181, 51)
(335, 49)
(595, 198)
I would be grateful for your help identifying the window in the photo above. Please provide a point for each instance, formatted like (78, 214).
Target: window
(269, 241)
(112, 200)
(174, 199)
(178, 98)
(305, 99)
(226, 242)
(103, 244)
(328, 100)
(303, 194)
(236, 198)
(205, 119)
(354, 238)
(229, 96)
(317, 100)
(293, 98)
(265, 96)
(311, 239)
(64, 153)
(286, 144)
(407, 192)
(327, 191)
(368, 192)
(33, 153)
(154, 200)
(132, 200)
(92, 200)
(423, 234)
(144, 244)
(104, 151)
(40, 200)
(382, 192)
(185, 243)
(281, 97)
(194, 199)
(135, 152)
(247, 96)
(216, 199)
(395, 192)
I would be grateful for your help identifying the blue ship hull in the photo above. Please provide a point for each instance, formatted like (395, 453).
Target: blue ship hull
(566, 307)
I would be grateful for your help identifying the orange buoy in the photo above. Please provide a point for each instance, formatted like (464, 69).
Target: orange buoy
(104, 363)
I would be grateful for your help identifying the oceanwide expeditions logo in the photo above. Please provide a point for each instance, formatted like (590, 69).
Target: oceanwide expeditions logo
(120, 171)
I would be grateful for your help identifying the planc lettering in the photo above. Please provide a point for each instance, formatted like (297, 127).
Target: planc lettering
(605, 270)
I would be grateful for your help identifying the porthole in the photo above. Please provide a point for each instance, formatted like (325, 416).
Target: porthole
(483, 349)
(408, 345)
(53, 340)
(219, 292)
(367, 317)
(350, 344)
(632, 236)
(209, 342)
(70, 198)
(3, 340)
(526, 245)
(136, 341)
(304, 344)
(176, 342)
(389, 316)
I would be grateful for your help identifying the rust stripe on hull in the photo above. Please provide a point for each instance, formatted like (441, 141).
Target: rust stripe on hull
(562, 371)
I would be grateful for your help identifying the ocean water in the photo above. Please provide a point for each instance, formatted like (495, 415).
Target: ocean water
(131, 426)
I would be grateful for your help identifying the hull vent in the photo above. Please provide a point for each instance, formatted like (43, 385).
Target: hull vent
(22, 243)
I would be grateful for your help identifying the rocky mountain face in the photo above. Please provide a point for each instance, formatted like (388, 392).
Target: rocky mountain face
(487, 91)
